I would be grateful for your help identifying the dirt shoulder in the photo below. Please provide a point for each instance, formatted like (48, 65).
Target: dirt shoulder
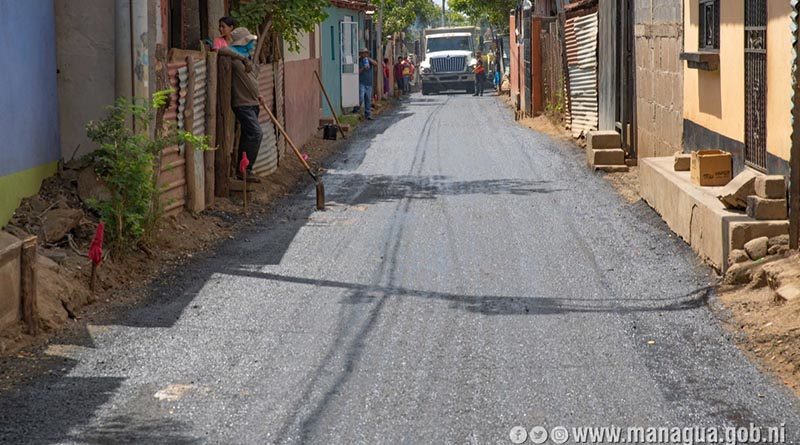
(66, 306)
(766, 324)
(626, 184)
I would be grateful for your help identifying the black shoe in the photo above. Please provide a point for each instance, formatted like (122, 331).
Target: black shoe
(369, 118)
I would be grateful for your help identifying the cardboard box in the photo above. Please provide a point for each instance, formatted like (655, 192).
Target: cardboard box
(711, 168)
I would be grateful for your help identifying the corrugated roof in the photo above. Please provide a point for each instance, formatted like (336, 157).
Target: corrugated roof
(357, 5)
(580, 5)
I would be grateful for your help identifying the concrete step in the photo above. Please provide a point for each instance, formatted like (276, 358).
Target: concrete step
(600, 140)
(610, 156)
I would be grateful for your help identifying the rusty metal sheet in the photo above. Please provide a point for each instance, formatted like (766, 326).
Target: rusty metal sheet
(199, 99)
(266, 87)
(171, 115)
(267, 161)
(172, 175)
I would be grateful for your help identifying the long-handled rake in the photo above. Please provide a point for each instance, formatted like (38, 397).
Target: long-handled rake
(317, 181)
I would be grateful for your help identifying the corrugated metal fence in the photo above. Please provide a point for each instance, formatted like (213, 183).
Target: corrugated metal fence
(183, 171)
(581, 47)
(172, 178)
(267, 162)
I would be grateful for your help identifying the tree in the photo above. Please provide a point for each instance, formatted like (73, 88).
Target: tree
(286, 17)
(455, 18)
(399, 15)
(495, 11)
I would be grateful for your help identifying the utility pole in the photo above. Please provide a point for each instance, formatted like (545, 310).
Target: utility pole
(443, 17)
(794, 156)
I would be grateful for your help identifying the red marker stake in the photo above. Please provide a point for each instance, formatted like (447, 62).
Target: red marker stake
(243, 169)
(96, 254)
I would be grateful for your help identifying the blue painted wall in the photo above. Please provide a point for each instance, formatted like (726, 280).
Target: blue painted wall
(29, 134)
(331, 66)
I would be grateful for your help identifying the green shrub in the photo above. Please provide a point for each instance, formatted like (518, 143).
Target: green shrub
(128, 161)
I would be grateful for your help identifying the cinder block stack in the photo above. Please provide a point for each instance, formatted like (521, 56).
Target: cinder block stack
(769, 202)
(604, 151)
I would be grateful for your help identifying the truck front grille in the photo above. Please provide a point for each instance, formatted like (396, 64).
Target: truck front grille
(449, 64)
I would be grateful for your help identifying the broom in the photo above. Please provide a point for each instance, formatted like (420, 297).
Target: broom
(317, 181)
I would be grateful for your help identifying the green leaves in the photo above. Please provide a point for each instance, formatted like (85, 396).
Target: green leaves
(128, 162)
(495, 11)
(399, 15)
(161, 99)
(289, 17)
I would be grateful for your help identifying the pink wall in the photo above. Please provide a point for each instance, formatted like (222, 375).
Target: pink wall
(302, 98)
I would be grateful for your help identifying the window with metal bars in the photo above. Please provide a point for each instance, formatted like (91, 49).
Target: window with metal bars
(709, 25)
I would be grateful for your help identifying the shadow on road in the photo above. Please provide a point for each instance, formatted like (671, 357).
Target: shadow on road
(502, 305)
(58, 408)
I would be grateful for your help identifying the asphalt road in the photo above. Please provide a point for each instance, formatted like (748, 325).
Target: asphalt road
(469, 276)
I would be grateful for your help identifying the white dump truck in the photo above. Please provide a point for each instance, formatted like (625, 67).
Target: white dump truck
(449, 59)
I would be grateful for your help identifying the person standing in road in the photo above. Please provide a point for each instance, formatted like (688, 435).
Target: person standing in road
(386, 74)
(480, 76)
(245, 98)
(398, 75)
(407, 71)
(366, 67)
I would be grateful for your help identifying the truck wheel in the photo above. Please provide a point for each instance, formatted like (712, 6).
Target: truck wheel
(471, 89)
(425, 91)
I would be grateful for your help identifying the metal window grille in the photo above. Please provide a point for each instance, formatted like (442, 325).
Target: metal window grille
(709, 25)
(755, 79)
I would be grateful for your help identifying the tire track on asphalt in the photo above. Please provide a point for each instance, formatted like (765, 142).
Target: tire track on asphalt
(386, 272)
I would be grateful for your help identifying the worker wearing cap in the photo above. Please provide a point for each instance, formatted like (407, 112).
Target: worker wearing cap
(366, 67)
(245, 98)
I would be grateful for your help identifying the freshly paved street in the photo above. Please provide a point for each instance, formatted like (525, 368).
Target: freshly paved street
(469, 276)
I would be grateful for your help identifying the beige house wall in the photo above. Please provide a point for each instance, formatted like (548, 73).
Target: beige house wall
(715, 100)
(779, 78)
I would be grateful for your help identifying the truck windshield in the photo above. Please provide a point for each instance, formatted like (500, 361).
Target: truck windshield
(448, 44)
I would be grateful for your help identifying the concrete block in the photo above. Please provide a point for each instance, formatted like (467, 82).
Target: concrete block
(683, 162)
(10, 279)
(740, 232)
(771, 187)
(603, 140)
(613, 156)
(766, 209)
